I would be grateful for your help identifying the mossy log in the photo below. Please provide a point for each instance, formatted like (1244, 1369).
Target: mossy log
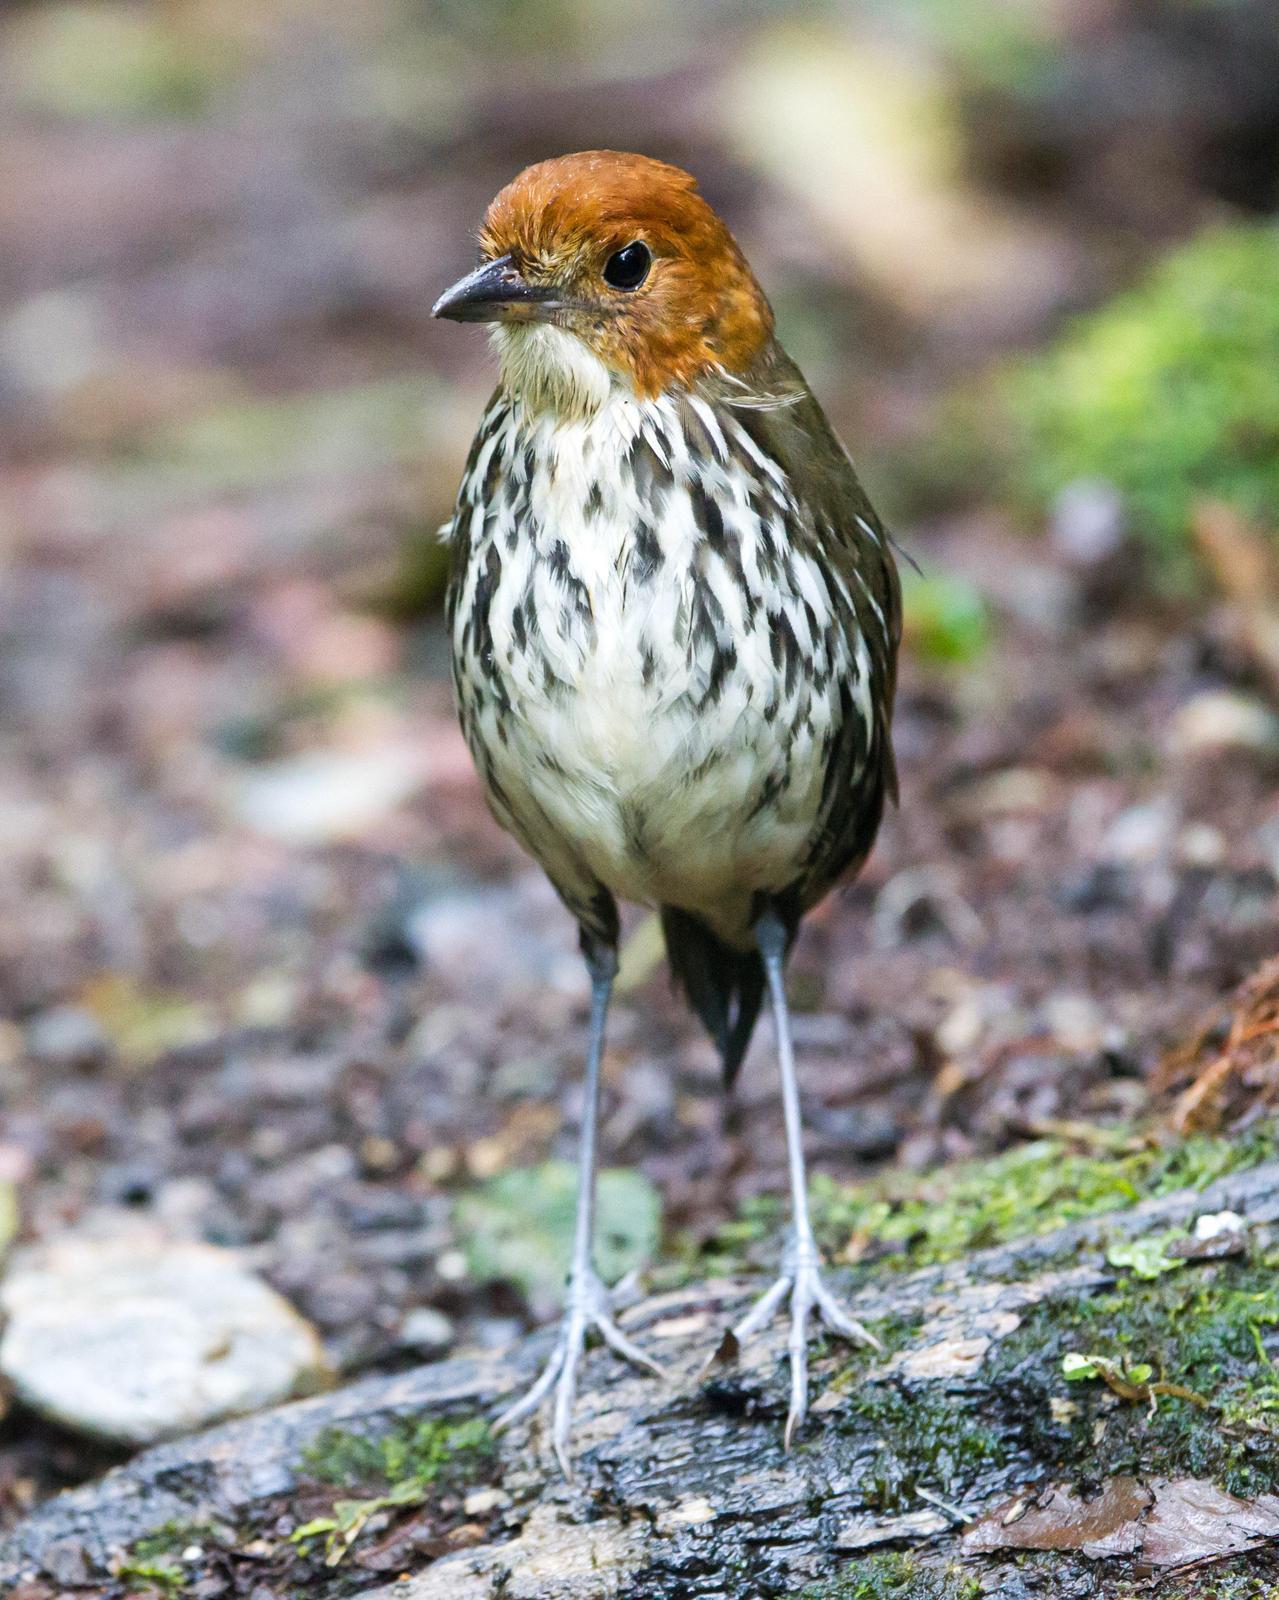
(961, 1462)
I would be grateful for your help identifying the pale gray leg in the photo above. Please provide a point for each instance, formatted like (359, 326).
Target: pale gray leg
(587, 1304)
(800, 1281)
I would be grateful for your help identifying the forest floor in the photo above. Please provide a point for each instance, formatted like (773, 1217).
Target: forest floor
(271, 977)
(307, 1052)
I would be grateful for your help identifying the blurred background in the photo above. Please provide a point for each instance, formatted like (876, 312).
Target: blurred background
(270, 978)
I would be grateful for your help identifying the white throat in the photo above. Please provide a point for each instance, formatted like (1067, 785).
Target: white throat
(551, 369)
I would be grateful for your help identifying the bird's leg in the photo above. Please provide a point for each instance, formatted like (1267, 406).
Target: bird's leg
(800, 1281)
(587, 1302)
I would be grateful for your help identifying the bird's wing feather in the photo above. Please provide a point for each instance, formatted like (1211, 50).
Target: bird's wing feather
(837, 524)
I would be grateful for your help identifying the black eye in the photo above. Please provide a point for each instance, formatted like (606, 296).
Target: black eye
(627, 268)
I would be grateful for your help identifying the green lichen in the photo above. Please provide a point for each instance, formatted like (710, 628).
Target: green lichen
(1171, 393)
(895, 1576)
(1208, 1403)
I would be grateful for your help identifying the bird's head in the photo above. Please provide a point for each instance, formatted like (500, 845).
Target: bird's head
(603, 269)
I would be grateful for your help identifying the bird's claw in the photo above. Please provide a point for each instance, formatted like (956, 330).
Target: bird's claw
(588, 1307)
(801, 1283)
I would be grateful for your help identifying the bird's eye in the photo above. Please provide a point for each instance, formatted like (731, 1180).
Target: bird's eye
(627, 268)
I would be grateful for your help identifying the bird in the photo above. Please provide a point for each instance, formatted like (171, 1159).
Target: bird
(674, 619)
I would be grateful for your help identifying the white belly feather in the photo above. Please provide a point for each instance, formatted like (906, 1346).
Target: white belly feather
(615, 760)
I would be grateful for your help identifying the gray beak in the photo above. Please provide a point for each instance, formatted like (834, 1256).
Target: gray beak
(495, 292)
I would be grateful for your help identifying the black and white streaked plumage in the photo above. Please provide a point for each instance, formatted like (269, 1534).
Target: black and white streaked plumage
(674, 620)
(673, 660)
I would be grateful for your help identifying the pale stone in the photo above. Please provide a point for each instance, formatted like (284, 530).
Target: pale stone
(138, 1338)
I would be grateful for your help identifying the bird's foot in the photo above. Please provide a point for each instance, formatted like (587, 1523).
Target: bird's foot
(587, 1307)
(801, 1283)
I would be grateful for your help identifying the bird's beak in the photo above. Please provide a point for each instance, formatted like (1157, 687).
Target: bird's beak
(496, 292)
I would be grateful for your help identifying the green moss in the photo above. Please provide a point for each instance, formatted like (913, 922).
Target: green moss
(1194, 1393)
(920, 1219)
(734, 1247)
(172, 1538)
(151, 1577)
(922, 1438)
(1171, 393)
(1247, 1577)
(1207, 1330)
(1030, 1189)
(151, 1564)
(1149, 1255)
(1058, 1575)
(895, 1576)
(417, 1452)
(404, 1468)
(894, 1332)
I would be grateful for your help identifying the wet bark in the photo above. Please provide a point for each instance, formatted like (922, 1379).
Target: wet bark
(682, 1488)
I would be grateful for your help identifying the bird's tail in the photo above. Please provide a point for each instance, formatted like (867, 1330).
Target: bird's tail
(724, 986)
